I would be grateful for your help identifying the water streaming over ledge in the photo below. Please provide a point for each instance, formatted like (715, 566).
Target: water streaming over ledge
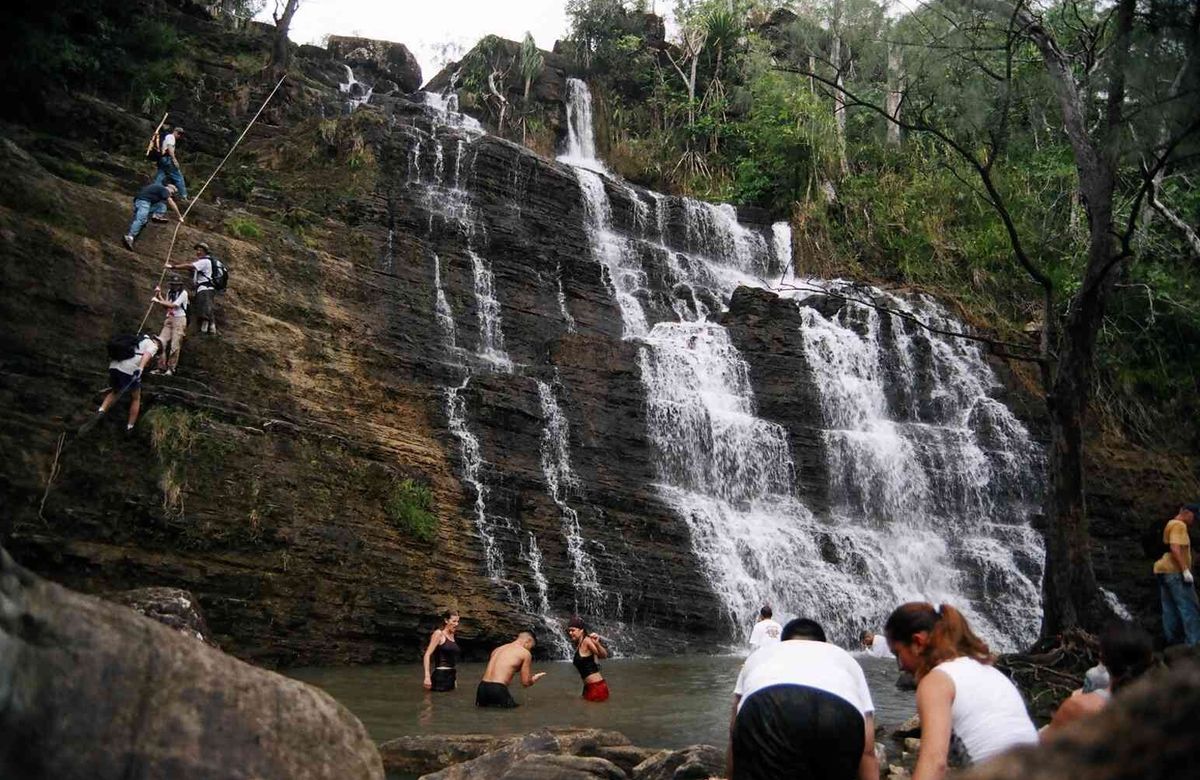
(932, 481)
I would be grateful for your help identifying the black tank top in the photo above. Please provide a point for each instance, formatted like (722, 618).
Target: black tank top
(446, 654)
(586, 664)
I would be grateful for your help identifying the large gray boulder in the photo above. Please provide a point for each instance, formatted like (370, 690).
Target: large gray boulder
(90, 690)
(551, 767)
(384, 60)
(498, 762)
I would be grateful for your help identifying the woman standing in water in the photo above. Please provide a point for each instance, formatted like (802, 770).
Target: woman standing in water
(587, 649)
(959, 693)
(442, 654)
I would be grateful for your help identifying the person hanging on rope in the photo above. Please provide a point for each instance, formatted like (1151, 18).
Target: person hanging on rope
(174, 325)
(168, 162)
(151, 199)
(130, 356)
(202, 276)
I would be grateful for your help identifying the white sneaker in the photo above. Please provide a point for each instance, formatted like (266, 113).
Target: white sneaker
(204, 327)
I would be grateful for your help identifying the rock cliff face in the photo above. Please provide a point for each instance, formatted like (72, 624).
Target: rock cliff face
(413, 309)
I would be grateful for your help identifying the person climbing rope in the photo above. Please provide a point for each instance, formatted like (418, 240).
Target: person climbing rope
(174, 324)
(202, 277)
(168, 162)
(151, 199)
(129, 357)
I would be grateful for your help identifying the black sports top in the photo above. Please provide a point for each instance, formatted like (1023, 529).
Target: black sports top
(445, 655)
(586, 664)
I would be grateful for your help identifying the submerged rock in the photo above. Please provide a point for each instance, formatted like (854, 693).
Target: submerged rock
(89, 689)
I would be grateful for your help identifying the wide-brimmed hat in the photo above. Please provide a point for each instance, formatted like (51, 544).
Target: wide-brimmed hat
(200, 245)
(174, 280)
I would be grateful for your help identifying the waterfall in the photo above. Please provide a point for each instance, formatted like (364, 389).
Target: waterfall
(562, 301)
(928, 473)
(491, 336)
(443, 109)
(560, 481)
(445, 316)
(581, 139)
(472, 464)
(357, 93)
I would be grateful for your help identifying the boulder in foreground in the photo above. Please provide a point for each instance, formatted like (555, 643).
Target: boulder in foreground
(130, 697)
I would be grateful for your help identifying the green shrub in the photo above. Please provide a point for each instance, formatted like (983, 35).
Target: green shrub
(244, 227)
(410, 506)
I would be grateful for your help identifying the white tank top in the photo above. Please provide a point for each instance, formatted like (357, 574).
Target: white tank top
(988, 715)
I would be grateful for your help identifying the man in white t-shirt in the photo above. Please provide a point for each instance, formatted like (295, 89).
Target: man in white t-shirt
(202, 276)
(802, 709)
(125, 375)
(766, 631)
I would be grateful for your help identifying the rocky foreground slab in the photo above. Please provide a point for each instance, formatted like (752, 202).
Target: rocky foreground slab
(547, 754)
(92, 690)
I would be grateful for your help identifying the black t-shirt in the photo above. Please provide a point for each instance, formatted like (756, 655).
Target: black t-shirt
(153, 193)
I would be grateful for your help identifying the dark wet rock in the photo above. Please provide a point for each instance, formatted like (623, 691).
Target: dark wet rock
(698, 762)
(173, 607)
(383, 59)
(498, 762)
(550, 767)
(425, 753)
(94, 691)
(625, 756)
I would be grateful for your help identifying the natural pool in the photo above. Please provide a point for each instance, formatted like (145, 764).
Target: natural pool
(656, 702)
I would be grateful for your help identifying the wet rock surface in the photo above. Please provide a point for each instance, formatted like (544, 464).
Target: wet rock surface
(548, 754)
(133, 698)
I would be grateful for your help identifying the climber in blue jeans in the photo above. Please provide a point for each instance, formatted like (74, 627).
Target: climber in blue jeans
(152, 199)
(1176, 583)
(168, 163)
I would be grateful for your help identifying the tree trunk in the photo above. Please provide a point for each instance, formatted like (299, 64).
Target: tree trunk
(281, 52)
(895, 70)
(839, 98)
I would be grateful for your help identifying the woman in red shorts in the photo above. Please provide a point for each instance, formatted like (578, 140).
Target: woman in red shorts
(587, 649)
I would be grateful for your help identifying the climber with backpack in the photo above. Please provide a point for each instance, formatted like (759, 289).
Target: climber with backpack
(210, 276)
(168, 161)
(128, 355)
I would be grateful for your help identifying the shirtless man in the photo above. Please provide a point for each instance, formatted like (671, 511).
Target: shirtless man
(505, 661)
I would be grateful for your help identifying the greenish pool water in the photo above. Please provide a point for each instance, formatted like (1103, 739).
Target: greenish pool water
(656, 702)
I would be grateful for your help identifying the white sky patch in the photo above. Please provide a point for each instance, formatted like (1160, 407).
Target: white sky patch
(435, 32)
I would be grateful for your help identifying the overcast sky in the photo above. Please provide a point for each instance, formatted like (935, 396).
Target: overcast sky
(426, 26)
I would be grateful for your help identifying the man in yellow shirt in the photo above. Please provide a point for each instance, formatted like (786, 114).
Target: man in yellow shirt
(1176, 585)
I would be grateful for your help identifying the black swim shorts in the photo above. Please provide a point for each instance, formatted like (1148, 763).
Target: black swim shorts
(443, 679)
(490, 694)
(797, 732)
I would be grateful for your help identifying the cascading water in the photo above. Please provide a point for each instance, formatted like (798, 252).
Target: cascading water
(581, 141)
(560, 481)
(357, 93)
(929, 473)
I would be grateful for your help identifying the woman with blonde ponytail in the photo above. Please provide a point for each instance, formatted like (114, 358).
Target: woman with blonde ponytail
(961, 697)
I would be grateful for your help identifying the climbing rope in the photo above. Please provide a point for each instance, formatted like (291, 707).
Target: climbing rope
(175, 235)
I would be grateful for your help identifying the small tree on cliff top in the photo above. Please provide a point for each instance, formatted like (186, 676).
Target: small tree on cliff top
(281, 52)
(1124, 82)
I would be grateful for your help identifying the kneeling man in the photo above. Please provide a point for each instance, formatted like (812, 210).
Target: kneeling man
(802, 709)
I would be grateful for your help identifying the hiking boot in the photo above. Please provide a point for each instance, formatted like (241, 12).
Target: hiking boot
(157, 371)
(212, 329)
(129, 242)
(158, 218)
